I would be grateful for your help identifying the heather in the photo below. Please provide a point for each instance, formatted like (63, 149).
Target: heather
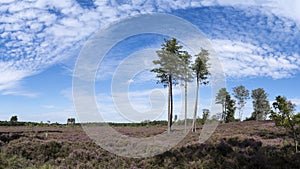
(249, 144)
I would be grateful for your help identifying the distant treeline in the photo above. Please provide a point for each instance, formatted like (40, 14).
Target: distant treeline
(199, 121)
(144, 123)
(11, 123)
(141, 124)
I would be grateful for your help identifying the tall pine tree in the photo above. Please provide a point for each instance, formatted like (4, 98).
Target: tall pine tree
(201, 71)
(168, 71)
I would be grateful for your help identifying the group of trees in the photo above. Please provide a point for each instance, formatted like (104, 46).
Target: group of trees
(228, 105)
(174, 66)
(14, 119)
(71, 121)
(283, 112)
(261, 106)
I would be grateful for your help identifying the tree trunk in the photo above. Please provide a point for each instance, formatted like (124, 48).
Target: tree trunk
(171, 116)
(294, 133)
(240, 114)
(185, 105)
(170, 104)
(295, 139)
(223, 114)
(225, 111)
(196, 107)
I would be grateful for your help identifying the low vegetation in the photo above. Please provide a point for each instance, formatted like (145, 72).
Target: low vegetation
(250, 144)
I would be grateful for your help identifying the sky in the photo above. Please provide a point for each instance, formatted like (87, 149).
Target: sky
(256, 42)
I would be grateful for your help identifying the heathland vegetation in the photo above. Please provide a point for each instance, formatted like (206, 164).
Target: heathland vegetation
(248, 144)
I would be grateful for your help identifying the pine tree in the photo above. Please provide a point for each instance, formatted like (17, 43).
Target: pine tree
(201, 71)
(168, 71)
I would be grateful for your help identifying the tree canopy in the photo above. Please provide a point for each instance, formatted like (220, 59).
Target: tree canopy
(261, 104)
(201, 67)
(221, 99)
(283, 115)
(229, 109)
(241, 94)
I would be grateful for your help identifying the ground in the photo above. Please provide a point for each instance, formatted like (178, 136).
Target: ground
(250, 144)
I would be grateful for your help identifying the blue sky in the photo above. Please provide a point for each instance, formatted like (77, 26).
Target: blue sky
(256, 41)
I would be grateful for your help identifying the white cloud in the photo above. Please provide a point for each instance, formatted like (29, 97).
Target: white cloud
(37, 34)
(19, 93)
(282, 8)
(285, 8)
(130, 81)
(295, 101)
(247, 60)
(49, 106)
(235, 3)
(67, 93)
(9, 76)
(9, 82)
